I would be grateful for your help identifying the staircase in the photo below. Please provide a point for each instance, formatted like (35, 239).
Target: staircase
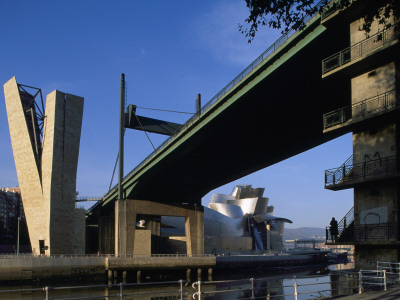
(339, 175)
(346, 230)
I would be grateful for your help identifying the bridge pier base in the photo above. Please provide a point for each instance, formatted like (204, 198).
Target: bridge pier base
(125, 223)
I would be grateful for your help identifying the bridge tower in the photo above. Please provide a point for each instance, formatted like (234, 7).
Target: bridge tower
(372, 64)
(46, 147)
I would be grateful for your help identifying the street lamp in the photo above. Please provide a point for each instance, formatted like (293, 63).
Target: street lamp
(19, 220)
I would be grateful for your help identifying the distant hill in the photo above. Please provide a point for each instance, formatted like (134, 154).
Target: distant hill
(303, 232)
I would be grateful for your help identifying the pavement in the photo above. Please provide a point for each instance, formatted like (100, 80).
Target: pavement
(391, 294)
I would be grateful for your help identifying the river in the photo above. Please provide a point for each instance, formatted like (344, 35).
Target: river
(267, 283)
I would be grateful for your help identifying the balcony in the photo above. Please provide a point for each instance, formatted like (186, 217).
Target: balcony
(359, 50)
(349, 174)
(363, 110)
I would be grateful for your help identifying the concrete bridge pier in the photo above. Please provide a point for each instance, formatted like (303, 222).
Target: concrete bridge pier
(210, 274)
(188, 275)
(126, 212)
(199, 274)
(124, 276)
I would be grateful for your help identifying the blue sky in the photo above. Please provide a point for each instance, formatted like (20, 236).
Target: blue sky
(169, 52)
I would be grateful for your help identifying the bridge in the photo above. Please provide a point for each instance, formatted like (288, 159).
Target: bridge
(271, 111)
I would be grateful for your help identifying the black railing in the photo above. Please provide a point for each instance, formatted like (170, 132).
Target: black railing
(365, 109)
(376, 232)
(358, 50)
(345, 233)
(350, 173)
(364, 233)
(336, 176)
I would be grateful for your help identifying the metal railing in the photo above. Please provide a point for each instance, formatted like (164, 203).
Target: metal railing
(330, 9)
(138, 256)
(264, 56)
(390, 267)
(350, 173)
(114, 291)
(365, 233)
(340, 283)
(337, 175)
(372, 278)
(376, 232)
(343, 226)
(365, 109)
(358, 50)
(363, 281)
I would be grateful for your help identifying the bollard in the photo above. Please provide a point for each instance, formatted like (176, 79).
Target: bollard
(295, 288)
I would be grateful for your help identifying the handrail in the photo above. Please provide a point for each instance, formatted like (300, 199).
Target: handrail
(345, 223)
(359, 49)
(367, 108)
(347, 173)
(376, 232)
(354, 282)
(338, 174)
(264, 56)
(133, 256)
(390, 267)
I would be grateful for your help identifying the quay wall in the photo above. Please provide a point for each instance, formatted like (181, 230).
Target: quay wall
(171, 262)
(55, 267)
(37, 267)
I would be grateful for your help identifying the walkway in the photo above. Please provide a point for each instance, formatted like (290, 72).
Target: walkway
(391, 294)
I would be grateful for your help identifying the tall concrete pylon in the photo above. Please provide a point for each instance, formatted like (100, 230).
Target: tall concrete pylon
(47, 170)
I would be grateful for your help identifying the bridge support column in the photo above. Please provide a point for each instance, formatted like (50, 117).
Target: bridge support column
(194, 229)
(125, 224)
(194, 223)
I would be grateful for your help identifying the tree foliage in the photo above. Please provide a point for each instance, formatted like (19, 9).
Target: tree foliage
(290, 14)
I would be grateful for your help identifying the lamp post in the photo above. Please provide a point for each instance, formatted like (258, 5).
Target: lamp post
(19, 220)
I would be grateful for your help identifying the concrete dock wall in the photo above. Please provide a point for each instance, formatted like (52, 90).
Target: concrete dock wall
(56, 267)
(32, 267)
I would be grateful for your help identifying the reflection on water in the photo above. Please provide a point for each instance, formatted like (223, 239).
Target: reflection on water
(270, 283)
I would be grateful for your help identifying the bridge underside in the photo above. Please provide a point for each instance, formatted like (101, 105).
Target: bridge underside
(275, 115)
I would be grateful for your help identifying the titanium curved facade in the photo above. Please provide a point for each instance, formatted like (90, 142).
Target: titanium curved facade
(240, 222)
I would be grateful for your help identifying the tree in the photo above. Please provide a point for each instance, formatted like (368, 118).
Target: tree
(290, 14)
